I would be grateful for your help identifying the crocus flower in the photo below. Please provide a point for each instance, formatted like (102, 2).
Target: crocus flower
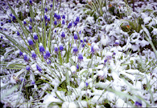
(55, 15)
(61, 48)
(35, 36)
(77, 19)
(28, 67)
(25, 57)
(30, 20)
(63, 22)
(138, 104)
(38, 68)
(20, 53)
(30, 41)
(9, 20)
(51, 5)
(117, 42)
(58, 17)
(80, 57)
(18, 33)
(45, 17)
(75, 36)
(33, 55)
(24, 22)
(70, 25)
(87, 84)
(63, 35)
(41, 48)
(47, 53)
(75, 50)
(30, 1)
(30, 27)
(77, 66)
(55, 22)
(63, 16)
(56, 49)
(46, 9)
(48, 61)
(33, 82)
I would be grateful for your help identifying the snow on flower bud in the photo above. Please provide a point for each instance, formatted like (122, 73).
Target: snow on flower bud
(63, 22)
(30, 41)
(77, 19)
(56, 50)
(47, 53)
(75, 36)
(30, 27)
(61, 48)
(70, 25)
(80, 57)
(38, 68)
(41, 48)
(28, 67)
(24, 22)
(55, 22)
(116, 42)
(63, 16)
(18, 33)
(33, 55)
(63, 35)
(20, 53)
(25, 57)
(75, 49)
(35, 36)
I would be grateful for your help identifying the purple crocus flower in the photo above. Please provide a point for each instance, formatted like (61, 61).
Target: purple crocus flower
(56, 49)
(55, 22)
(48, 61)
(46, 9)
(41, 48)
(24, 22)
(47, 53)
(58, 17)
(75, 36)
(63, 35)
(45, 17)
(61, 48)
(63, 22)
(51, 5)
(25, 57)
(75, 50)
(20, 53)
(77, 19)
(35, 36)
(33, 55)
(18, 33)
(55, 15)
(70, 25)
(63, 16)
(38, 68)
(30, 41)
(33, 82)
(138, 104)
(77, 66)
(80, 57)
(28, 67)
(30, 27)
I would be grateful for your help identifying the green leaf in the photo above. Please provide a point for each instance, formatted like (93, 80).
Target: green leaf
(60, 58)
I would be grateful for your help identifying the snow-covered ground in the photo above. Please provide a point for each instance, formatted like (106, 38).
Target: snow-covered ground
(72, 54)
